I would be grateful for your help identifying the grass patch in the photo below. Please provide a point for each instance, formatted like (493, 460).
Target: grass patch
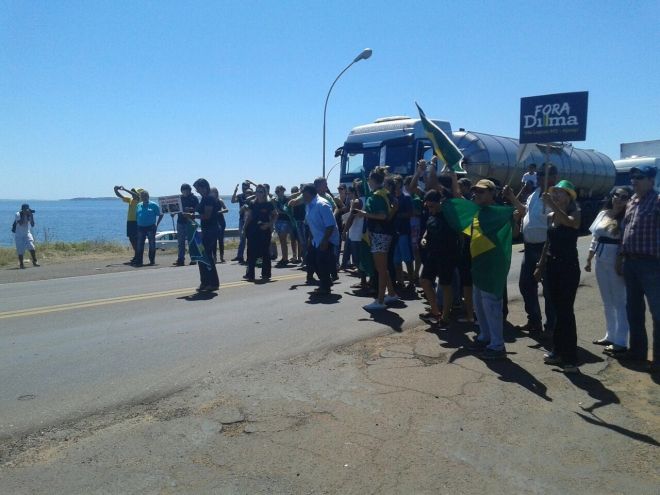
(61, 250)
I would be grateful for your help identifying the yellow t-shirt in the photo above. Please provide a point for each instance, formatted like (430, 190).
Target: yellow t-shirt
(132, 206)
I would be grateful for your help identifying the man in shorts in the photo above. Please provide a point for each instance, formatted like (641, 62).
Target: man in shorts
(132, 199)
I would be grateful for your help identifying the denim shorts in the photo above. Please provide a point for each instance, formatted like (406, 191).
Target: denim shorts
(380, 243)
(282, 227)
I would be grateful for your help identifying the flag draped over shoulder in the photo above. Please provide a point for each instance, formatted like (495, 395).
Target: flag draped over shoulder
(195, 245)
(443, 146)
(490, 242)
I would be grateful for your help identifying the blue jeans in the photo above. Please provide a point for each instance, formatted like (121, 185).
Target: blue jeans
(642, 278)
(489, 314)
(529, 289)
(143, 234)
(241, 242)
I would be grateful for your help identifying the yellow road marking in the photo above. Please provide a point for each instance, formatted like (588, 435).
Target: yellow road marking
(125, 299)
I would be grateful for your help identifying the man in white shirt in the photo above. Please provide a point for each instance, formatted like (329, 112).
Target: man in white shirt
(530, 176)
(535, 232)
(325, 236)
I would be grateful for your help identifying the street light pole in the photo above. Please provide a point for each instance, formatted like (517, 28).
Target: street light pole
(364, 55)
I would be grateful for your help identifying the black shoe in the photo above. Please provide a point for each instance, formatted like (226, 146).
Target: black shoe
(492, 354)
(533, 328)
(152, 263)
(248, 278)
(178, 263)
(477, 345)
(192, 263)
(603, 342)
(237, 259)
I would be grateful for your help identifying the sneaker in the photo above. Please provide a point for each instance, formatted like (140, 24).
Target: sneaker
(391, 299)
(212, 288)
(491, 354)
(248, 278)
(324, 291)
(477, 345)
(430, 318)
(551, 358)
(374, 306)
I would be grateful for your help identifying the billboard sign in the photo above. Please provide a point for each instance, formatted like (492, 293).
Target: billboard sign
(554, 118)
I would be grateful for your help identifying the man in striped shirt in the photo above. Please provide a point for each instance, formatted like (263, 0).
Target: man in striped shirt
(640, 255)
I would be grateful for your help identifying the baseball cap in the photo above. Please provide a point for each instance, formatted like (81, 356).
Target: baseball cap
(648, 171)
(485, 184)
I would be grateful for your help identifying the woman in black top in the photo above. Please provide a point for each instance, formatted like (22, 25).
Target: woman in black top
(208, 215)
(258, 231)
(560, 263)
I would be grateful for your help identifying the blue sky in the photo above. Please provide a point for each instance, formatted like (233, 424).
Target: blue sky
(152, 94)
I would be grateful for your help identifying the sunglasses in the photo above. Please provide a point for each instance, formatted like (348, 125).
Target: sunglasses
(637, 177)
(622, 197)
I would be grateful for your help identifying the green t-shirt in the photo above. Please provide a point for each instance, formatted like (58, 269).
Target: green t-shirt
(375, 205)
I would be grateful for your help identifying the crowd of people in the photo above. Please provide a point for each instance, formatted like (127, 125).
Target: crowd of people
(449, 239)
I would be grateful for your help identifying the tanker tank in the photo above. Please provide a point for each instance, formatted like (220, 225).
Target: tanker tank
(486, 155)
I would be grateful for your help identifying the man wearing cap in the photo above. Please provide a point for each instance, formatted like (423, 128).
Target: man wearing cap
(189, 203)
(535, 233)
(488, 305)
(640, 256)
(23, 236)
(131, 221)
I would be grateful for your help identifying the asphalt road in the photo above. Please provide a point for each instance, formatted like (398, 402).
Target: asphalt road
(71, 347)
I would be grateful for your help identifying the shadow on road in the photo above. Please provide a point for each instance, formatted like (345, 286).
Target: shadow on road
(388, 318)
(506, 370)
(199, 296)
(640, 437)
(315, 298)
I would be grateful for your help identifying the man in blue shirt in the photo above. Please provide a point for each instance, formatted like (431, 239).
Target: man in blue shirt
(148, 217)
(325, 236)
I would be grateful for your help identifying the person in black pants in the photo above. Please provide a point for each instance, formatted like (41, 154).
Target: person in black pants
(559, 262)
(259, 223)
(208, 214)
(222, 226)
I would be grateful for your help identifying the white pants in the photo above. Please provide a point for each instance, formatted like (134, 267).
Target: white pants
(613, 292)
(24, 242)
(491, 319)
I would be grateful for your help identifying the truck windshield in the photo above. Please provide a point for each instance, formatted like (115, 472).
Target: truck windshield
(399, 159)
(364, 160)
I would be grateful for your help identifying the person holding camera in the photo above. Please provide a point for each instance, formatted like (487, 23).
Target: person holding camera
(23, 234)
(132, 199)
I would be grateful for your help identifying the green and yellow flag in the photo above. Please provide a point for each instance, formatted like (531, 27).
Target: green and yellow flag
(490, 229)
(443, 147)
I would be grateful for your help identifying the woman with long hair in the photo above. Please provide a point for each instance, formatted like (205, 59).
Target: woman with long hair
(378, 213)
(606, 230)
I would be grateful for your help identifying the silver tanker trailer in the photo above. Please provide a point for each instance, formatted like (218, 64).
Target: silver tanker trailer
(400, 142)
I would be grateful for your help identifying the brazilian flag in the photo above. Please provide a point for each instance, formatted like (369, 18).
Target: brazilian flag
(443, 147)
(490, 231)
(196, 247)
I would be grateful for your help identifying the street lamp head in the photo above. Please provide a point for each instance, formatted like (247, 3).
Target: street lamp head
(364, 55)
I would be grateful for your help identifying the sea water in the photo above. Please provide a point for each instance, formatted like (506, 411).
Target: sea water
(75, 220)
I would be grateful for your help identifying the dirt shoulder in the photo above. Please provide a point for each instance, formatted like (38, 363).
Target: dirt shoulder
(85, 264)
(404, 413)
